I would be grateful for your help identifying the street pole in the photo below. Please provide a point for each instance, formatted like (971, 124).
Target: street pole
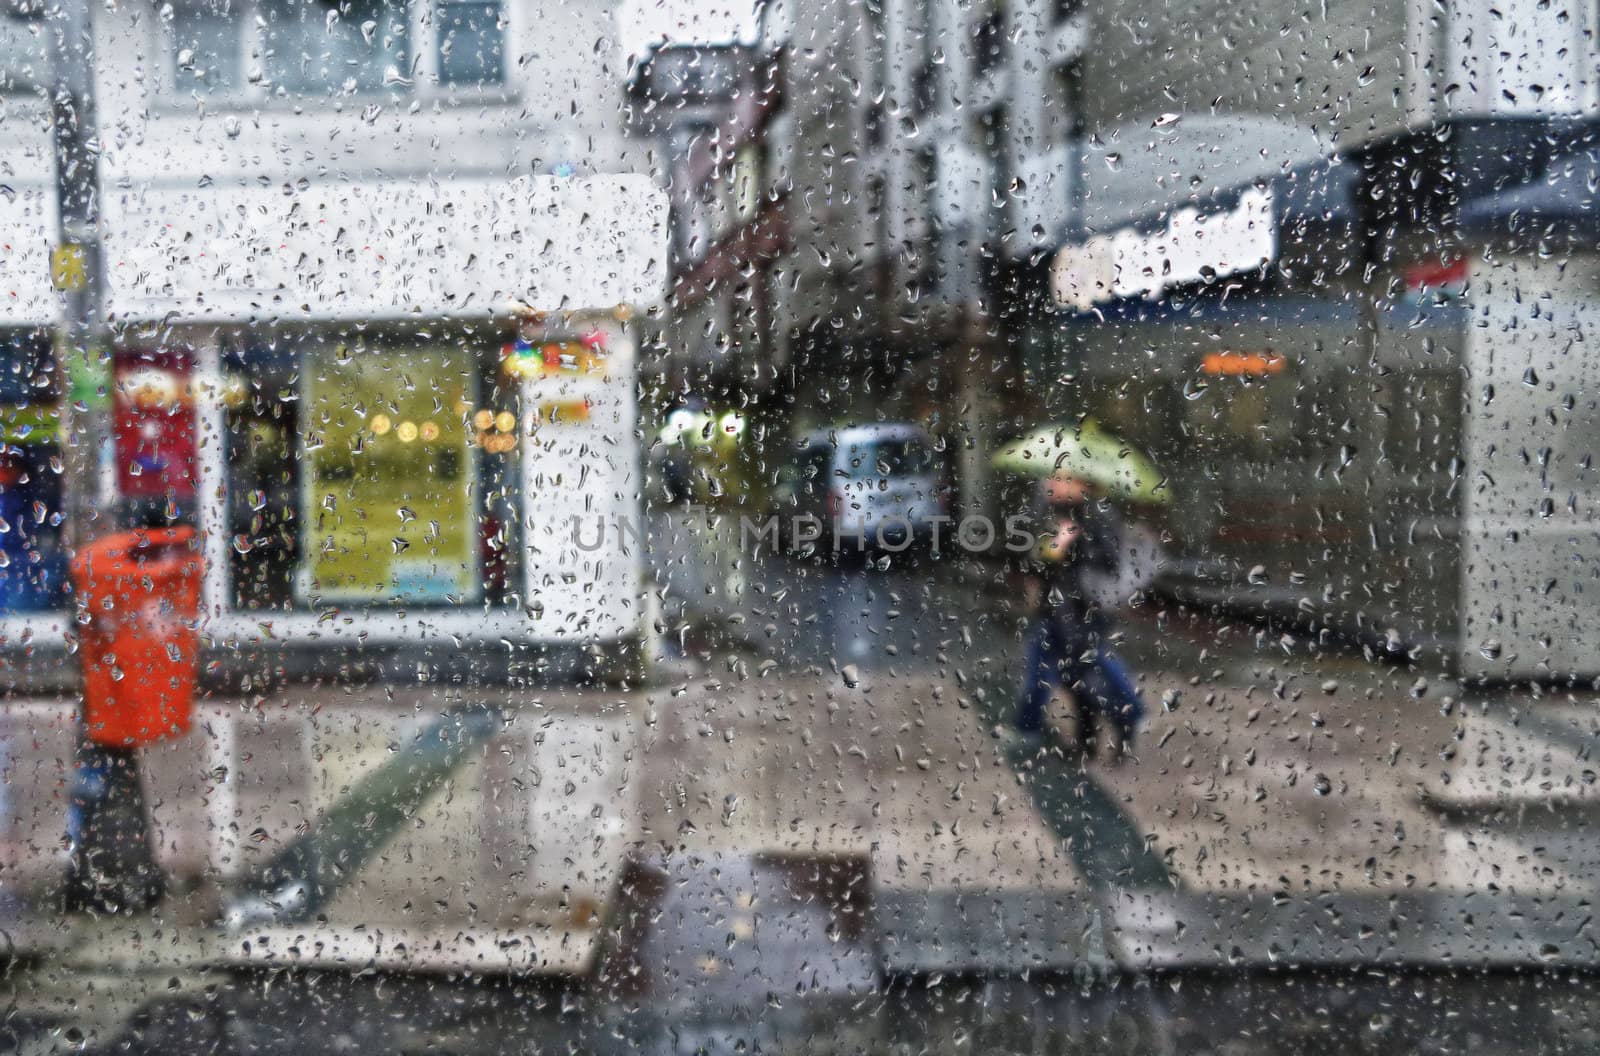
(111, 868)
(77, 272)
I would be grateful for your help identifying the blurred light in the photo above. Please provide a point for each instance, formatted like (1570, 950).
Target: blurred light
(381, 424)
(153, 388)
(1241, 364)
(565, 411)
(521, 359)
(506, 422)
(407, 432)
(429, 431)
(483, 419)
(235, 392)
(679, 423)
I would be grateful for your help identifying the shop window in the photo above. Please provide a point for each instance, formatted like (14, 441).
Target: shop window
(154, 429)
(263, 419)
(32, 562)
(350, 483)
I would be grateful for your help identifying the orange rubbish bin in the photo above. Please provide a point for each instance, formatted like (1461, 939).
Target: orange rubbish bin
(138, 643)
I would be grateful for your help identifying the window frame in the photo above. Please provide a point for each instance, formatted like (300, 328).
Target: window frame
(174, 92)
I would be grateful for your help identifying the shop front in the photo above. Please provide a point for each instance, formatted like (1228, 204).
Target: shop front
(32, 561)
(420, 468)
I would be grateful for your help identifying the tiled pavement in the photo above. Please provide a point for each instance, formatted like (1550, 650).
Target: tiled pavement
(504, 865)
(1324, 825)
(1265, 819)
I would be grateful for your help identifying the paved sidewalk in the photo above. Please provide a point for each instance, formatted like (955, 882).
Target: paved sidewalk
(1303, 813)
(1290, 814)
(901, 771)
(504, 862)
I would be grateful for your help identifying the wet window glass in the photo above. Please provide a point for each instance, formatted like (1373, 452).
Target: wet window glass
(23, 65)
(207, 48)
(767, 526)
(891, 458)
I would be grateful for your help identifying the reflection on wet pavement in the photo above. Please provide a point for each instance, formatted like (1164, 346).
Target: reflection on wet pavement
(826, 841)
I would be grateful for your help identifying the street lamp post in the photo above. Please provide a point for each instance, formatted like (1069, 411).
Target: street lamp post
(111, 866)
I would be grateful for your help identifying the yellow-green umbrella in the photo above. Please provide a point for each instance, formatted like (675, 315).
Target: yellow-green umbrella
(1086, 451)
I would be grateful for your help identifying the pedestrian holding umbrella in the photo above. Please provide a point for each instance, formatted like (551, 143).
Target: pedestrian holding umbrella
(1075, 533)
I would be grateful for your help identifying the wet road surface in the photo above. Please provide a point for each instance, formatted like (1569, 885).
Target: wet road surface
(309, 1014)
(841, 733)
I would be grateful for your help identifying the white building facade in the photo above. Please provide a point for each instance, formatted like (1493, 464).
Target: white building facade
(390, 259)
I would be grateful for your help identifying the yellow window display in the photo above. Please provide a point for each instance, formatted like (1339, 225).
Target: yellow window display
(387, 497)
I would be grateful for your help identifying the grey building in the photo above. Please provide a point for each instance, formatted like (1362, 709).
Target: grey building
(1333, 262)
(279, 90)
(1221, 228)
(920, 150)
(706, 111)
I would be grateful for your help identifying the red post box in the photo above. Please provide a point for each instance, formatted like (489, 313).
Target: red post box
(138, 643)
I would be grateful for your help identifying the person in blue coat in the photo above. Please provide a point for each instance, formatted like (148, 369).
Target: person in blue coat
(1067, 644)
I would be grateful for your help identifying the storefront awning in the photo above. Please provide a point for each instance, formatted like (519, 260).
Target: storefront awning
(1170, 204)
(1562, 198)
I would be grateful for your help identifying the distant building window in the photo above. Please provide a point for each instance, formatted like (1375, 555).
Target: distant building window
(315, 47)
(206, 51)
(989, 49)
(875, 124)
(471, 40)
(924, 85)
(24, 66)
(1069, 89)
(693, 73)
(747, 183)
(250, 49)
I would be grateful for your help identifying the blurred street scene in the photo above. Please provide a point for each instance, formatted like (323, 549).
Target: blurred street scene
(1294, 808)
(815, 525)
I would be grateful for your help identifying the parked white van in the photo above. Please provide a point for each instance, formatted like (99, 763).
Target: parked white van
(877, 485)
